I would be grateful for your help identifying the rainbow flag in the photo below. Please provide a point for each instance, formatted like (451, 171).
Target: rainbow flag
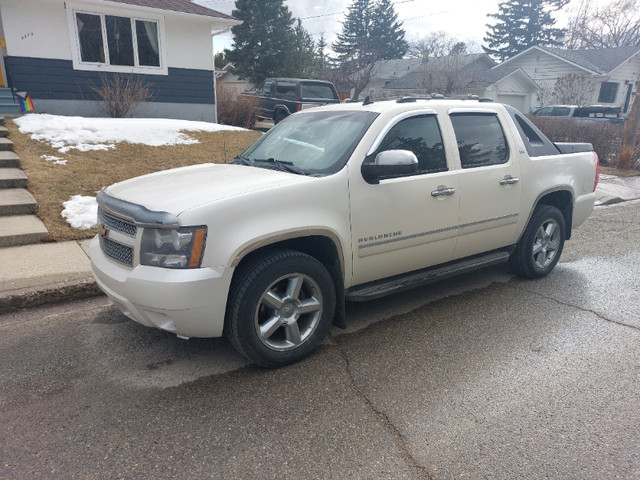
(26, 104)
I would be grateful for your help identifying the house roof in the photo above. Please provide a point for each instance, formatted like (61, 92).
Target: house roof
(599, 60)
(474, 64)
(180, 6)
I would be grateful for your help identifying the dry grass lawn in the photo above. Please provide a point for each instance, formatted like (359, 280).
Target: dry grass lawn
(87, 172)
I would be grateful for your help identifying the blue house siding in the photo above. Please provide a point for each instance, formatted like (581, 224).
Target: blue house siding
(52, 79)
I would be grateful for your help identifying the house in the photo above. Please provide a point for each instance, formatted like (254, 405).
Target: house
(474, 74)
(60, 50)
(229, 81)
(609, 74)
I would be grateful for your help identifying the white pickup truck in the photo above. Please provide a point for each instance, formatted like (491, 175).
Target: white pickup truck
(336, 203)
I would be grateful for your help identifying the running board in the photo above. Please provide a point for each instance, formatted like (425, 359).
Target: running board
(386, 286)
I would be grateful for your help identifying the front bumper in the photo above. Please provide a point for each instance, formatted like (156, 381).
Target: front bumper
(190, 302)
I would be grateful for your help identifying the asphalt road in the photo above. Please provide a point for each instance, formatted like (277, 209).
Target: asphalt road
(482, 376)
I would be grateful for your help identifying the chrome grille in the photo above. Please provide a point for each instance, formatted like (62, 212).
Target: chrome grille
(120, 253)
(113, 223)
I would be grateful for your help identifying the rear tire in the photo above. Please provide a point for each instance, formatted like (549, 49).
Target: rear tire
(280, 308)
(541, 244)
(279, 116)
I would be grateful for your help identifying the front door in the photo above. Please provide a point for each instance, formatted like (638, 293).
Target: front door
(407, 223)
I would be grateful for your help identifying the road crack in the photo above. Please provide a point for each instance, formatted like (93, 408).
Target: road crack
(388, 424)
(587, 310)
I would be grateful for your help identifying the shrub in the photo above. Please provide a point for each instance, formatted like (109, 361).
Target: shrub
(121, 94)
(234, 109)
(605, 137)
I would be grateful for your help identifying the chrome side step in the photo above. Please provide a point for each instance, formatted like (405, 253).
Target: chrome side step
(380, 288)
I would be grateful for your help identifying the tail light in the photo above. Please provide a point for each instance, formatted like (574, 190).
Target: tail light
(597, 179)
(298, 107)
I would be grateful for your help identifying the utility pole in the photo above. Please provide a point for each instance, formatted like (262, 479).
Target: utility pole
(629, 134)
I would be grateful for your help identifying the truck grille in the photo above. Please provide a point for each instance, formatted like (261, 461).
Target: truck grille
(118, 252)
(114, 223)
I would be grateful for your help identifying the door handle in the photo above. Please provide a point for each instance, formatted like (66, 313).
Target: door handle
(509, 180)
(443, 191)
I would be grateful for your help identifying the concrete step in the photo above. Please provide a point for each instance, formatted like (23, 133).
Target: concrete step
(21, 230)
(9, 160)
(17, 201)
(12, 178)
(6, 144)
(4, 132)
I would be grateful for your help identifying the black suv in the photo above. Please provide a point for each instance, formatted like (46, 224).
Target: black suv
(280, 97)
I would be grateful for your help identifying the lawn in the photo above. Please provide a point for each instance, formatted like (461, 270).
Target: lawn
(87, 172)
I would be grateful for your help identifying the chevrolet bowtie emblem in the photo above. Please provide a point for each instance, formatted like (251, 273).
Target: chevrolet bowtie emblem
(102, 230)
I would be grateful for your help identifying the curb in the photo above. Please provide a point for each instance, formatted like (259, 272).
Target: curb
(50, 294)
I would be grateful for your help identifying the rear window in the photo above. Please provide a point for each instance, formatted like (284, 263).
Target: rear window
(317, 90)
(481, 141)
(286, 90)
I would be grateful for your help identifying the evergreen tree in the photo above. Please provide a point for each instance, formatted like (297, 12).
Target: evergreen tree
(370, 32)
(262, 41)
(388, 32)
(521, 24)
(301, 55)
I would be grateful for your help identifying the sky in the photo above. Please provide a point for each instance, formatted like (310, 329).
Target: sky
(68, 133)
(464, 19)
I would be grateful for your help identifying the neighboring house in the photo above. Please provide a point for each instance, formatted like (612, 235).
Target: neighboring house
(57, 49)
(474, 74)
(230, 81)
(611, 73)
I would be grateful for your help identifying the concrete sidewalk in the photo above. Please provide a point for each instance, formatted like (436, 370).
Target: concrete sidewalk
(34, 275)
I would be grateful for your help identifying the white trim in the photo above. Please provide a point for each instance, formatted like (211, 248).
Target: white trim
(78, 64)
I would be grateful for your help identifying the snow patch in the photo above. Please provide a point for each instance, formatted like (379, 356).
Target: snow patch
(81, 212)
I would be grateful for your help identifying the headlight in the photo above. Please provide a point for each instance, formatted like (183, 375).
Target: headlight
(173, 247)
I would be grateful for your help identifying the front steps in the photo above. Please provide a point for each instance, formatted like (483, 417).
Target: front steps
(18, 223)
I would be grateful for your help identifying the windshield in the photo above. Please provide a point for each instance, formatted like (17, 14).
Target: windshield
(314, 143)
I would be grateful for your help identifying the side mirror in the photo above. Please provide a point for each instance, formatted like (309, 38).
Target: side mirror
(390, 164)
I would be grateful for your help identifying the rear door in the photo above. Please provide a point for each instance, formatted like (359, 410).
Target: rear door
(490, 187)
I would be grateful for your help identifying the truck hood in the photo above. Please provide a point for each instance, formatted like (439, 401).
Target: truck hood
(180, 189)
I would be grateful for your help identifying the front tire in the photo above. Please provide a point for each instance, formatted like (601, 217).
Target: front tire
(541, 244)
(280, 308)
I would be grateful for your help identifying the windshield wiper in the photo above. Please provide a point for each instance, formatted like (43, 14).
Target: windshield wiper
(281, 165)
(240, 160)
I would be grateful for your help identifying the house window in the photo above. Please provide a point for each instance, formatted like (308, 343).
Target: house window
(117, 41)
(608, 92)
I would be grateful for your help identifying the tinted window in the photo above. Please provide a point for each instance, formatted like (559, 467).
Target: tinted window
(317, 90)
(481, 141)
(421, 135)
(286, 90)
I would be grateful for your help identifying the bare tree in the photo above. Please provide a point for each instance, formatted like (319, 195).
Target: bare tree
(447, 75)
(616, 24)
(572, 89)
(440, 44)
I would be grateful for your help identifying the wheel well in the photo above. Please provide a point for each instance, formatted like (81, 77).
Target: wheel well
(563, 201)
(322, 249)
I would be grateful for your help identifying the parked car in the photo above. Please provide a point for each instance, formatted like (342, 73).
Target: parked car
(598, 113)
(280, 97)
(344, 202)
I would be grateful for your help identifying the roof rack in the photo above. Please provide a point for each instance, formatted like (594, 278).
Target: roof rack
(438, 96)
